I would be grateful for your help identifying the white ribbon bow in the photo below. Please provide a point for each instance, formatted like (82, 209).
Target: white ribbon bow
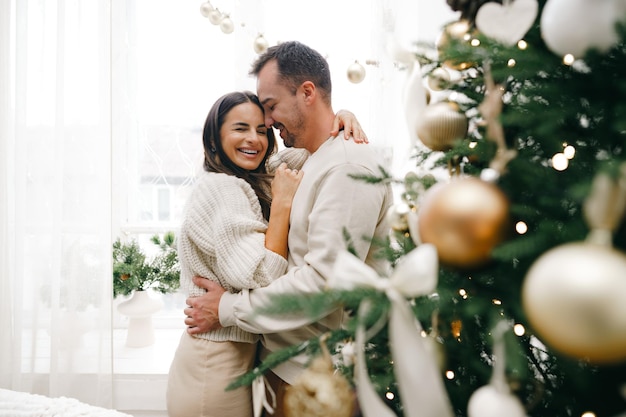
(419, 380)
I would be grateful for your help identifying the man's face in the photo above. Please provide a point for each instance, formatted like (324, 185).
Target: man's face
(282, 107)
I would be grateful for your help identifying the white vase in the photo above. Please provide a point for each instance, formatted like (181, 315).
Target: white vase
(139, 309)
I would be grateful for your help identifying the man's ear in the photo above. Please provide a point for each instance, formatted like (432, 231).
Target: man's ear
(309, 91)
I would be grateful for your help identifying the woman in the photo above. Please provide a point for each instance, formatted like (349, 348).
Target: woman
(234, 232)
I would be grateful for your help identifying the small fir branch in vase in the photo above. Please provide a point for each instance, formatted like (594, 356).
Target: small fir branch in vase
(133, 270)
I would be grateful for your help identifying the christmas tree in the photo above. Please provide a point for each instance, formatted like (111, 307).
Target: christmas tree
(513, 268)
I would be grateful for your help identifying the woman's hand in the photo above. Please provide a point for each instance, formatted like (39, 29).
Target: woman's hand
(351, 127)
(285, 184)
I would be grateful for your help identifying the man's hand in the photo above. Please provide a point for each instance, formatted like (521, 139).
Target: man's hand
(203, 311)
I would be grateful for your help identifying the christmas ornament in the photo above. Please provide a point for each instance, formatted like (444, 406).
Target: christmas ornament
(226, 25)
(495, 399)
(215, 17)
(319, 391)
(575, 26)
(440, 125)
(438, 79)
(465, 219)
(356, 72)
(260, 44)
(573, 295)
(206, 8)
(397, 217)
(457, 31)
(509, 22)
(415, 368)
(468, 8)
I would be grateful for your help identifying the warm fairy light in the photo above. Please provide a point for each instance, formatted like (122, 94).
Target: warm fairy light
(450, 375)
(475, 42)
(467, 37)
(472, 145)
(560, 162)
(522, 44)
(511, 63)
(569, 151)
(389, 395)
(519, 330)
(463, 293)
(568, 59)
(588, 414)
(521, 227)
(496, 302)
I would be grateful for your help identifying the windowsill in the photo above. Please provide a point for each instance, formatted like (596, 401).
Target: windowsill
(150, 360)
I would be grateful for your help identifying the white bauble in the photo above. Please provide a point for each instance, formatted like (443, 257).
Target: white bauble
(573, 296)
(356, 73)
(206, 8)
(575, 26)
(260, 44)
(488, 401)
(215, 17)
(227, 25)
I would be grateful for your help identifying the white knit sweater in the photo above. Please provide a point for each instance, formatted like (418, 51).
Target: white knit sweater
(222, 238)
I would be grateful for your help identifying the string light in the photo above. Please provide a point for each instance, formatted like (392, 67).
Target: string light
(560, 162)
(521, 227)
(569, 151)
(568, 59)
(519, 330)
(522, 44)
(450, 375)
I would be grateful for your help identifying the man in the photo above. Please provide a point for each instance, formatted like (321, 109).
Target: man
(294, 86)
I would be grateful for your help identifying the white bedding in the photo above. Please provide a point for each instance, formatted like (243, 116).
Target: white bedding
(23, 404)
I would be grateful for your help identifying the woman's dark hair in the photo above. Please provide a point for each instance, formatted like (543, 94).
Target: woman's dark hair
(216, 160)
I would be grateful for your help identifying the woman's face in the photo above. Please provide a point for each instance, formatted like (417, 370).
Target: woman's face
(244, 136)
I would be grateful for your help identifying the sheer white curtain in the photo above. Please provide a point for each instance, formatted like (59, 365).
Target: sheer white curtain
(55, 200)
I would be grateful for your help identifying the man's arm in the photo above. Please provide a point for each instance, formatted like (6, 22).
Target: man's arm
(202, 312)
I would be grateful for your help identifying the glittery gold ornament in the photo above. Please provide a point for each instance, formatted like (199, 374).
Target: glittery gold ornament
(465, 219)
(458, 31)
(320, 391)
(441, 124)
(356, 72)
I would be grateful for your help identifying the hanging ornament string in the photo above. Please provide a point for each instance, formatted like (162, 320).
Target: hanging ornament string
(415, 366)
(604, 208)
(491, 109)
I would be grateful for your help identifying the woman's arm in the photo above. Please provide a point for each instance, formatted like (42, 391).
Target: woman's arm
(284, 186)
(351, 127)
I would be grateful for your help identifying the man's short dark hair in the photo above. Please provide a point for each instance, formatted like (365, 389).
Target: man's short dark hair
(297, 63)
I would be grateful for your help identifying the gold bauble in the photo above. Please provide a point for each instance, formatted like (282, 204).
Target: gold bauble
(573, 296)
(465, 219)
(319, 392)
(356, 73)
(459, 31)
(441, 124)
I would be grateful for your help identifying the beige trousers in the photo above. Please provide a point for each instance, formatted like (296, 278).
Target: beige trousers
(199, 374)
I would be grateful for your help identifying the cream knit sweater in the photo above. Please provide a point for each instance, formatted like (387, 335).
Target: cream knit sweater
(222, 238)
